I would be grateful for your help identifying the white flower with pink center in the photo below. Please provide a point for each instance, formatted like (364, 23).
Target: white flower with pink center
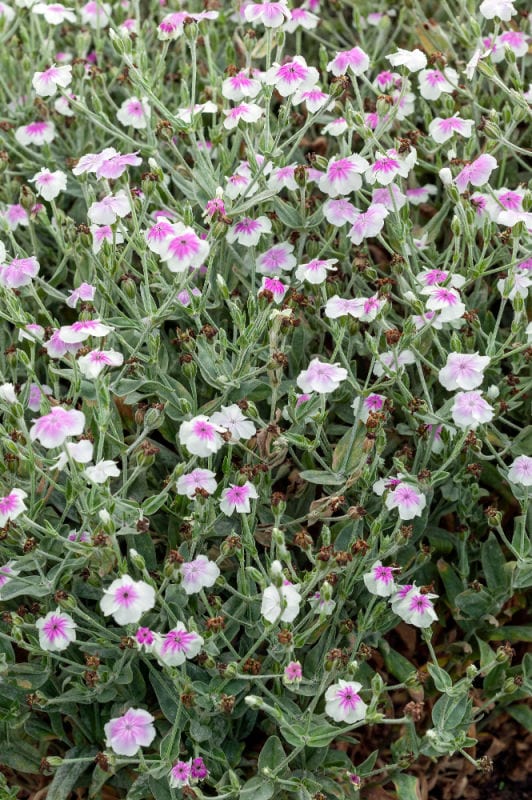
(57, 348)
(54, 428)
(7, 393)
(49, 184)
(134, 112)
(158, 235)
(7, 573)
(477, 173)
(379, 580)
(407, 500)
(387, 166)
(271, 15)
(521, 471)
(108, 210)
(355, 61)
(506, 207)
(237, 498)
(84, 292)
(391, 197)
(239, 86)
(316, 271)
(372, 404)
(200, 436)
(339, 212)
(314, 98)
(443, 129)
(517, 284)
(46, 83)
(104, 233)
(321, 377)
(12, 506)
(280, 603)
(278, 258)
(447, 302)
(127, 600)
(63, 107)
(36, 133)
(54, 13)
(435, 277)
(16, 216)
(115, 165)
(56, 631)
(6, 14)
(343, 175)
(421, 194)
(101, 471)
(344, 704)
(80, 452)
(393, 362)
(180, 774)
(502, 9)
(416, 608)
(19, 273)
(293, 673)
(247, 231)
(232, 419)
(301, 18)
(81, 330)
(199, 479)
(336, 127)
(198, 574)
(387, 80)
(91, 162)
(126, 734)
(173, 648)
(184, 249)
(434, 82)
(363, 308)
(245, 112)
(413, 60)
(368, 224)
(463, 371)
(470, 410)
(237, 185)
(515, 41)
(292, 76)
(96, 15)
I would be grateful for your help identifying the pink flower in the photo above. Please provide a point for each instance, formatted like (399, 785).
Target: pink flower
(394, 362)
(416, 608)
(477, 173)
(36, 133)
(180, 774)
(503, 9)
(442, 130)
(354, 60)
(56, 347)
(277, 258)
(12, 506)
(433, 83)
(15, 216)
(463, 371)
(145, 637)
(247, 231)
(336, 127)
(387, 166)
(239, 86)
(54, 428)
(447, 302)
(158, 235)
(198, 574)
(369, 223)
(283, 178)
(49, 184)
(134, 729)
(245, 112)
(344, 704)
(84, 292)
(134, 112)
(421, 194)
(321, 377)
(174, 647)
(91, 162)
(81, 330)
(413, 60)
(7, 573)
(56, 631)
(293, 673)
(127, 600)
(183, 249)
(470, 410)
(96, 15)
(291, 76)
(516, 41)
(94, 362)
(46, 83)
(520, 471)
(314, 98)
(236, 498)
(338, 212)
(54, 13)
(343, 175)
(272, 15)
(19, 273)
(391, 197)
(106, 211)
(373, 403)
(379, 580)
(198, 770)
(114, 166)
(408, 502)
(316, 271)
(200, 436)
(189, 483)
(301, 18)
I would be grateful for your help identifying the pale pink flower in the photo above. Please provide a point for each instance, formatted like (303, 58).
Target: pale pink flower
(54, 13)
(198, 574)
(433, 82)
(363, 407)
(447, 302)
(470, 410)
(56, 631)
(477, 173)
(379, 580)
(63, 106)
(190, 482)
(180, 774)
(91, 162)
(179, 644)
(421, 194)
(321, 377)
(340, 211)
(344, 704)
(431, 278)
(283, 178)
(54, 428)
(245, 112)
(108, 210)
(314, 98)
(516, 41)
(391, 197)
(16, 216)
(517, 284)
(363, 308)
(393, 361)
(443, 129)
(49, 184)
(293, 673)
(200, 436)
(387, 166)
(115, 165)
(301, 18)
(506, 208)
(20, 272)
(158, 235)
(343, 175)
(36, 133)
(104, 233)
(336, 127)
(416, 608)
(46, 83)
(134, 729)
(134, 112)
(56, 347)
(80, 452)
(408, 502)
(413, 60)
(503, 9)
(236, 498)
(81, 330)
(183, 249)
(232, 419)
(12, 506)
(278, 258)
(7, 573)
(369, 223)
(463, 371)
(316, 271)
(520, 471)
(271, 15)
(101, 471)
(291, 76)
(355, 60)
(239, 86)
(95, 15)
(247, 231)
(84, 292)
(127, 600)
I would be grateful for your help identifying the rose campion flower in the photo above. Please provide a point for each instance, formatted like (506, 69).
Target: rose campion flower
(7, 393)
(363, 407)
(126, 734)
(293, 673)
(144, 639)
(198, 574)
(54, 13)
(301, 18)
(441, 130)
(447, 302)
(180, 775)
(56, 631)
(115, 165)
(355, 61)
(7, 573)
(433, 82)
(84, 292)
(343, 175)
(339, 211)
(127, 600)
(49, 184)
(477, 173)
(183, 249)
(387, 166)
(344, 704)
(7, 14)
(94, 362)
(189, 483)
(520, 471)
(245, 112)
(20, 272)
(96, 15)
(46, 83)
(408, 502)
(101, 471)
(179, 644)
(280, 603)
(414, 607)
(413, 60)
(368, 224)
(54, 428)
(239, 86)
(247, 231)
(463, 371)
(503, 9)
(314, 98)
(379, 580)
(91, 162)
(291, 76)
(232, 419)
(200, 436)
(36, 133)
(321, 377)
(80, 452)
(104, 233)
(12, 506)
(470, 410)
(393, 362)
(278, 258)
(108, 210)
(271, 15)
(316, 271)
(236, 498)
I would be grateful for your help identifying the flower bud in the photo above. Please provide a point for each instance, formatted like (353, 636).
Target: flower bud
(253, 701)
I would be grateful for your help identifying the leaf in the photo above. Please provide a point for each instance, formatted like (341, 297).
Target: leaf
(449, 712)
(321, 477)
(349, 451)
(166, 695)
(20, 757)
(398, 665)
(514, 633)
(66, 776)
(407, 787)
(271, 754)
(493, 564)
(442, 681)
(257, 789)
(523, 714)
(319, 735)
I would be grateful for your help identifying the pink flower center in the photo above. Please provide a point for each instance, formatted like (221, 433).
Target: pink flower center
(55, 628)
(125, 596)
(203, 430)
(292, 72)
